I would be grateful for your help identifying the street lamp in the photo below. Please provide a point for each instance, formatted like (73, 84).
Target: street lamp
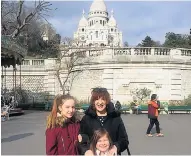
(190, 37)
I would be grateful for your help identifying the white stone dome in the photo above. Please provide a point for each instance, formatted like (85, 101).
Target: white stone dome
(83, 21)
(112, 22)
(98, 5)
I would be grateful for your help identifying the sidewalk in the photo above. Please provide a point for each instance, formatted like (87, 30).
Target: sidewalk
(25, 135)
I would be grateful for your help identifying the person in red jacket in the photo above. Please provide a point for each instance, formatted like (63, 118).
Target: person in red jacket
(153, 115)
(62, 127)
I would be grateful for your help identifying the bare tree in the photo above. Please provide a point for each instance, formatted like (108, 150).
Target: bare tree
(15, 19)
(8, 16)
(72, 55)
(67, 60)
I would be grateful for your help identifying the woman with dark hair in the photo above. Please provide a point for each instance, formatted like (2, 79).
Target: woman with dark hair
(102, 114)
(100, 143)
(153, 113)
(62, 127)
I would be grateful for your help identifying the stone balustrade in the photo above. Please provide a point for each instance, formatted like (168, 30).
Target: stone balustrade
(134, 51)
(132, 54)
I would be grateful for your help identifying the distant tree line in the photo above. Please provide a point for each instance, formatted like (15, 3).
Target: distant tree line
(172, 40)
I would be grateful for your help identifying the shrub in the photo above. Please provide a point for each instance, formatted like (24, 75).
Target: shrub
(82, 102)
(141, 94)
(176, 103)
(187, 101)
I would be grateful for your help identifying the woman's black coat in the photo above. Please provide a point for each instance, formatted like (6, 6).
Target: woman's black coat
(113, 124)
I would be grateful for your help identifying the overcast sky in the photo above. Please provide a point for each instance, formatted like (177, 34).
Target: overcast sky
(134, 19)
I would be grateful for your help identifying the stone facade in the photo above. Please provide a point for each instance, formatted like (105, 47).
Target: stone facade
(170, 80)
(165, 71)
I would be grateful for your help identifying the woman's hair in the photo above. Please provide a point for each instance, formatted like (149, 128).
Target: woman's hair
(153, 97)
(96, 136)
(99, 93)
(54, 119)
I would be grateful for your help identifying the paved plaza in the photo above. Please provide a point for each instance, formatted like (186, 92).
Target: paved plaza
(25, 135)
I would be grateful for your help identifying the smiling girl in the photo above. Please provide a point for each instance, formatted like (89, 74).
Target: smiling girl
(100, 143)
(62, 127)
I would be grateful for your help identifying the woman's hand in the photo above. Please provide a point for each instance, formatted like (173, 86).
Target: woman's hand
(79, 138)
(113, 150)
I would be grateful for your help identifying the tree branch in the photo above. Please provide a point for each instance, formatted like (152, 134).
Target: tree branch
(19, 12)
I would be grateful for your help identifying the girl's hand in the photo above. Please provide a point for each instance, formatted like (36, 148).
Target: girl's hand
(113, 150)
(79, 138)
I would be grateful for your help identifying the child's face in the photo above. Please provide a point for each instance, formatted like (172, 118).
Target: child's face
(68, 108)
(103, 144)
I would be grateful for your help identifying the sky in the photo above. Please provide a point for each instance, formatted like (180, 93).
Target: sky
(136, 19)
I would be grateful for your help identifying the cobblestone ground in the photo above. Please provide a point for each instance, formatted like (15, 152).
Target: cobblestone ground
(25, 135)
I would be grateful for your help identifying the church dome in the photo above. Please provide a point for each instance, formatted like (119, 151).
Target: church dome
(83, 21)
(112, 22)
(98, 5)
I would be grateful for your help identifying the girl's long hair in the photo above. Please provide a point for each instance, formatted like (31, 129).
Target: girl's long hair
(55, 119)
(96, 136)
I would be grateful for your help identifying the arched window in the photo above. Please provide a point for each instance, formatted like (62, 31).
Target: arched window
(82, 29)
(102, 35)
(90, 35)
(96, 34)
(111, 29)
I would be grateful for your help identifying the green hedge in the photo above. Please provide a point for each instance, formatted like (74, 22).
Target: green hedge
(24, 106)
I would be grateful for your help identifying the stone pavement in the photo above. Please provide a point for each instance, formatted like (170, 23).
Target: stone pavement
(25, 135)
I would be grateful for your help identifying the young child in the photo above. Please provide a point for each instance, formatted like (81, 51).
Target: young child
(101, 144)
(62, 127)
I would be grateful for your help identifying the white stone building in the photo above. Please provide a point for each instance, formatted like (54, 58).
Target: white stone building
(165, 71)
(98, 28)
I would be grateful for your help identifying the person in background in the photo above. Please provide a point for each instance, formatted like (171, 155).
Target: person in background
(153, 116)
(135, 107)
(62, 127)
(116, 104)
(100, 144)
(102, 114)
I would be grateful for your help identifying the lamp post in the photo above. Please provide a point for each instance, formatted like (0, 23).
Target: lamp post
(190, 37)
